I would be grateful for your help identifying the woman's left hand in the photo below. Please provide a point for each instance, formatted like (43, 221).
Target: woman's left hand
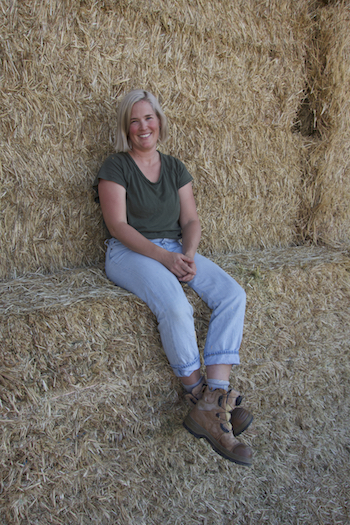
(181, 265)
(189, 276)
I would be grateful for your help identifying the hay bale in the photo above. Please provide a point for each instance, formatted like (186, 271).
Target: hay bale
(230, 77)
(91, 414)
(325, 210)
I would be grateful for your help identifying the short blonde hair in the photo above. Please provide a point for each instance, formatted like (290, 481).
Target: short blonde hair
(123, 117)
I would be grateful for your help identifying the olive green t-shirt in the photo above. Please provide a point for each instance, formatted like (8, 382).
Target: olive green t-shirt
(153, 208)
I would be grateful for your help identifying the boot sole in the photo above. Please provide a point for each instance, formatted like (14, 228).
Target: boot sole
(199, 432)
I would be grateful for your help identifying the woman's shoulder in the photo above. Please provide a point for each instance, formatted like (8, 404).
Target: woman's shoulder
(116, 159)
(170, 160)
(117, 163)
(176, 169)
(115, 169)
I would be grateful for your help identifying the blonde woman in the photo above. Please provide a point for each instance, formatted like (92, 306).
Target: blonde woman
(148, 206)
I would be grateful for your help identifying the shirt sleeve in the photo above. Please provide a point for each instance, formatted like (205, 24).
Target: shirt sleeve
(112, 169)
(183, 176)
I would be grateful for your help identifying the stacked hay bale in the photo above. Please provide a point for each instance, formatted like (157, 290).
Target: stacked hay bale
(230, 79)
(91, 414)
(326, 198)
(90, 411)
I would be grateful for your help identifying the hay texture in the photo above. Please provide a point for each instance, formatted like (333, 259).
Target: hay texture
(91, 414)
(231, 77)
(90, 411)
(325, 209)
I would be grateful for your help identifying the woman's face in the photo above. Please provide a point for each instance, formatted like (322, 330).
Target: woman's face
(144, 127)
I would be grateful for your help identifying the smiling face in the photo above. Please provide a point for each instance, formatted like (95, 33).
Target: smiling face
(144, 127)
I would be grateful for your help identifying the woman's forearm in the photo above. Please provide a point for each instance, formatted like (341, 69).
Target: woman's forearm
(136, 242)
(191, 235)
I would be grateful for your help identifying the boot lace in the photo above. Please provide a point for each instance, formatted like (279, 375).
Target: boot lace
(227, 409)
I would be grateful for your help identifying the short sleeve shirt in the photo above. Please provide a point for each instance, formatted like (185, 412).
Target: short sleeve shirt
(153, 208)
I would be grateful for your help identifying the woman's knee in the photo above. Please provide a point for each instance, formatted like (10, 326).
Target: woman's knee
(241, 295)
(231, 288)
(177, 310)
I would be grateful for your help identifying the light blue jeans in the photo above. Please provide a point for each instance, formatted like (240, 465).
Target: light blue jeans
(163, 293)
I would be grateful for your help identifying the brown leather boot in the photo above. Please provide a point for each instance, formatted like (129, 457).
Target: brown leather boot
(210, 419)
(240, 417)
(193, 397)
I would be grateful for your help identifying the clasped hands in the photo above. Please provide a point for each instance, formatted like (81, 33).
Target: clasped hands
(181, 265)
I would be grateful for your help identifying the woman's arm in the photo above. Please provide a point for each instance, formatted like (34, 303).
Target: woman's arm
(113, 204)
(191, 228)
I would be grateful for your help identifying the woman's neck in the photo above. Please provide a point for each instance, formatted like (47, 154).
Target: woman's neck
(148, 163)
(145, 157)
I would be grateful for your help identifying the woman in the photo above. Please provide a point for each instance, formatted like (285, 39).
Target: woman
(149, 209)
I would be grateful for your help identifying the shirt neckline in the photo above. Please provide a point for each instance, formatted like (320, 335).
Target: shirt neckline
(143, 175)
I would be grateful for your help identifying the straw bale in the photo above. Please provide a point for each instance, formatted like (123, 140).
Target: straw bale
(91, 414)
(230, 75)
(326, 212)
(29, 293)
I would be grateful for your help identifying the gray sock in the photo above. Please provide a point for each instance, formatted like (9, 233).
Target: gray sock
(189, 388)
(213, 384)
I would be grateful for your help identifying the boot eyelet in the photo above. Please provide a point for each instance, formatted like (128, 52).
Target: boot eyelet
(223, 428)
(239, 400)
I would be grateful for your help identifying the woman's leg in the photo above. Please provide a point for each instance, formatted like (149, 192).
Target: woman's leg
(193, 379)
(162, 292)
(216, 415)
(227, 300)
(220, 372)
